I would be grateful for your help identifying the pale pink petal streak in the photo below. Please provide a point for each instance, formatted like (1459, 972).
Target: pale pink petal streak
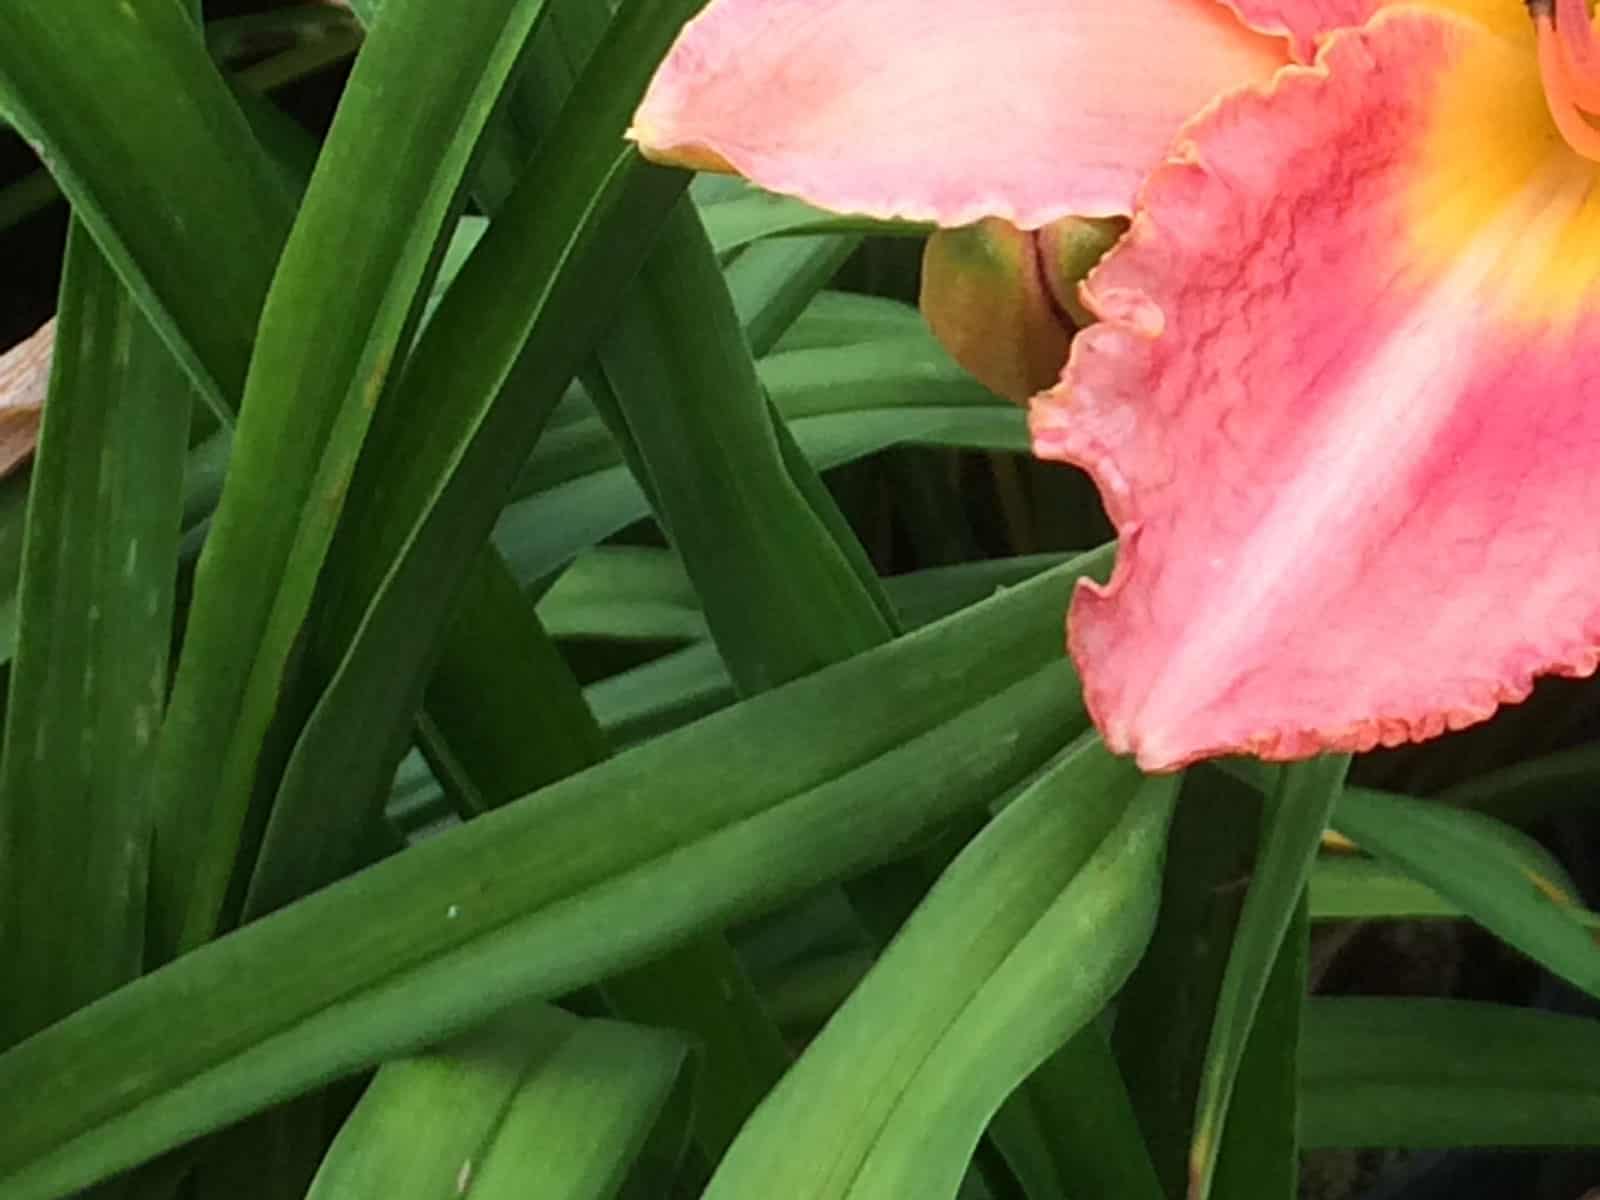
(952, 111)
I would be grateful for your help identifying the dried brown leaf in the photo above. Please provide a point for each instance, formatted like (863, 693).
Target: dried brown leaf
(24, 377)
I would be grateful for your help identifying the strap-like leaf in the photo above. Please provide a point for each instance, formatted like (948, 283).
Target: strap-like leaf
(185, 182)
(1444, 1073)
(1019, 945)
(90, 675)
(813, 782)
(328, 342)
(1298, 816)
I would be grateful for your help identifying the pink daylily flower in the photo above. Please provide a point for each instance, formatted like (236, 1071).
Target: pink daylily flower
(1338, 396)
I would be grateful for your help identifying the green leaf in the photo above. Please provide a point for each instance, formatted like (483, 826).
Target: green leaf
(535, 1103)
(424, 1123)
(623, 593)
(817, 496)
(484, 378)
(379, 678)
(923, 596)
(702, 989)
(25, 197)
(772, 284)
(811, 783)
(784, 587)
(1260, 1152)
(502, 703)
(675, 689)
(1422, 1074)
(328, 341)
(643, 593)
(1486, 870)
(662, 695)
(184, 184)
(1298, 816)
(1353, 887)
(699, 987)
(841, 404)
(1526, 791)
(780, 596)
(895, 372)
(898, 388)
(1084, 1127)
(743, 214)
(588, 1118)
(90, 675)
(234, 39)
(1165, 1014)
(303, 40)
(272, 1156)
(1020, 943)
(13, 523)
(843, 318)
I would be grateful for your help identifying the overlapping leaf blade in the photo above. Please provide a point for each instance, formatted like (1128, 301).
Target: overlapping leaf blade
(185, 183)
(690, 402)
(1019, 945)
(90, 678)
(1468, 859)
(486, 374)
(1273, 911)
(320, 367)
(1445, 1073)
(817, 780)
(612, 1103)
(1165, 1014)
(536, 1103)
(717, 821)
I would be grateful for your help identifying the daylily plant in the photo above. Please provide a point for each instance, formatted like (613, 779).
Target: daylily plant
(1342, 399)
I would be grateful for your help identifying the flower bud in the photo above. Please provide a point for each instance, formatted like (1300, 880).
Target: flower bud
(1004, 301)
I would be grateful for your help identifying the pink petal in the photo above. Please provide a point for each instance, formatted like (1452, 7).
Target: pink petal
(1308, 22)
(1342, 410)
(1304, 22)
(1027, 110)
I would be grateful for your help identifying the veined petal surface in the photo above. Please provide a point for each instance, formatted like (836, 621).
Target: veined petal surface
(1307, 23)
(1027, 110)
(1342, 409)
(1304, 22)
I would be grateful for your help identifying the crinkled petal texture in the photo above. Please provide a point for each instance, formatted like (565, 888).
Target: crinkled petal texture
(1342, 408)
(1307, 23)
(1304, 22)
(1028, 110)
